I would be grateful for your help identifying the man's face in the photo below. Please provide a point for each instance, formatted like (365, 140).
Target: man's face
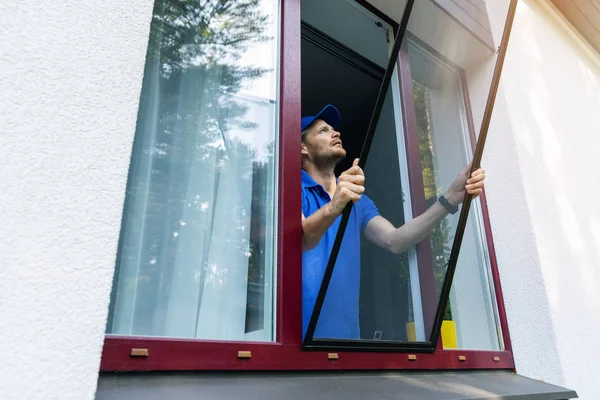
(322, 144)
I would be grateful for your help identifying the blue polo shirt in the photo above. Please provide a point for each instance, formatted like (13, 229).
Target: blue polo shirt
(339, 316)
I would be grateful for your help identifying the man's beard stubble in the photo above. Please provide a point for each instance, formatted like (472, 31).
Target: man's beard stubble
(329, 159)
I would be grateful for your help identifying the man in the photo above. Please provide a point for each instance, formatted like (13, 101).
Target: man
(323, 200)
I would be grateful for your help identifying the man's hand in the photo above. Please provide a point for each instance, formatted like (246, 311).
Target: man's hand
(350, 186)
(473, 185)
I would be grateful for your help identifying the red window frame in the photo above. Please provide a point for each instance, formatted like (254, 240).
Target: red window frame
(286, 353)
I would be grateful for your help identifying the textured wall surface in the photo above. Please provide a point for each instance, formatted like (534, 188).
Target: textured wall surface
(541, 158)
(70, 77)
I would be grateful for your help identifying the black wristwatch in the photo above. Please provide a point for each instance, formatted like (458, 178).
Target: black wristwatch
(451, 209)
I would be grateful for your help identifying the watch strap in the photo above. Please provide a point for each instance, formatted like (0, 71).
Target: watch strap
(449, 207)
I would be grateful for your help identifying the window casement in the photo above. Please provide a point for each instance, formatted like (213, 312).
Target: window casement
(209, 266)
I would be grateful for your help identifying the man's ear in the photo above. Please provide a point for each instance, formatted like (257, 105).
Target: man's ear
(304, 149)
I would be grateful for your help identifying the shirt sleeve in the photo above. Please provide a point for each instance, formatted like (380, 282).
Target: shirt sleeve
(369, 210)
(304, 203)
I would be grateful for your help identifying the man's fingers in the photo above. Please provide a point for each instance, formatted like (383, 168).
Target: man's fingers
(477, 176)
(356, 170)
(479, 171)
(358, 179)
(353, 188)
(351, 193)
(351, 183)
(476, 185)
(475, 193)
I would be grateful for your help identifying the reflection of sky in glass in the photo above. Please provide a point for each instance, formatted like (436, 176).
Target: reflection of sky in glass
(259, 94)
(261, 136)
(264, 55)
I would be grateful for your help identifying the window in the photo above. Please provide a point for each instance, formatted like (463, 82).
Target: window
(445, 145)
(197, 251)
(209, 271)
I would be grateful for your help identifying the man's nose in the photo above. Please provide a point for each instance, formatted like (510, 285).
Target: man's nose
(335, 134)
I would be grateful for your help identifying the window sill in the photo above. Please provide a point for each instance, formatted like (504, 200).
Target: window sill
(465, 385)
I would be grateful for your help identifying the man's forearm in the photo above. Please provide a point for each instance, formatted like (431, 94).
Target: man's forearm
(415, 230)
(397, 240)
(315, 226)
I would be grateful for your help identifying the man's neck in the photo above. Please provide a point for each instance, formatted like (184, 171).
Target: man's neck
(323, 176)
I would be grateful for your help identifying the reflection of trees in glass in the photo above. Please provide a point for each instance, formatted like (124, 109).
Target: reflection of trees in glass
(187, 107)
(440, 236)
(261, 191)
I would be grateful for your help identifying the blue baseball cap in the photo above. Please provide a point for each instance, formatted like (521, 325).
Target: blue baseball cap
(329, 114)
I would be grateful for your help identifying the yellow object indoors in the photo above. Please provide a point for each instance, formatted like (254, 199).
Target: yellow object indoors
(449, 339)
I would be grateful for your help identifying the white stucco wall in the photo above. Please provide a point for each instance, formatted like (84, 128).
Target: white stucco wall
(543, 184)
(70, 78)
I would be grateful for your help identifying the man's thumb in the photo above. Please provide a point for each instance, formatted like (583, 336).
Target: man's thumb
(355, 162)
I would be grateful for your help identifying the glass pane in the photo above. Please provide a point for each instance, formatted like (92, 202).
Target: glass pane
(397, 261)
(196, 254)
(445, 143)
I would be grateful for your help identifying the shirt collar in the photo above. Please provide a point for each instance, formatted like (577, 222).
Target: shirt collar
(307, 180)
